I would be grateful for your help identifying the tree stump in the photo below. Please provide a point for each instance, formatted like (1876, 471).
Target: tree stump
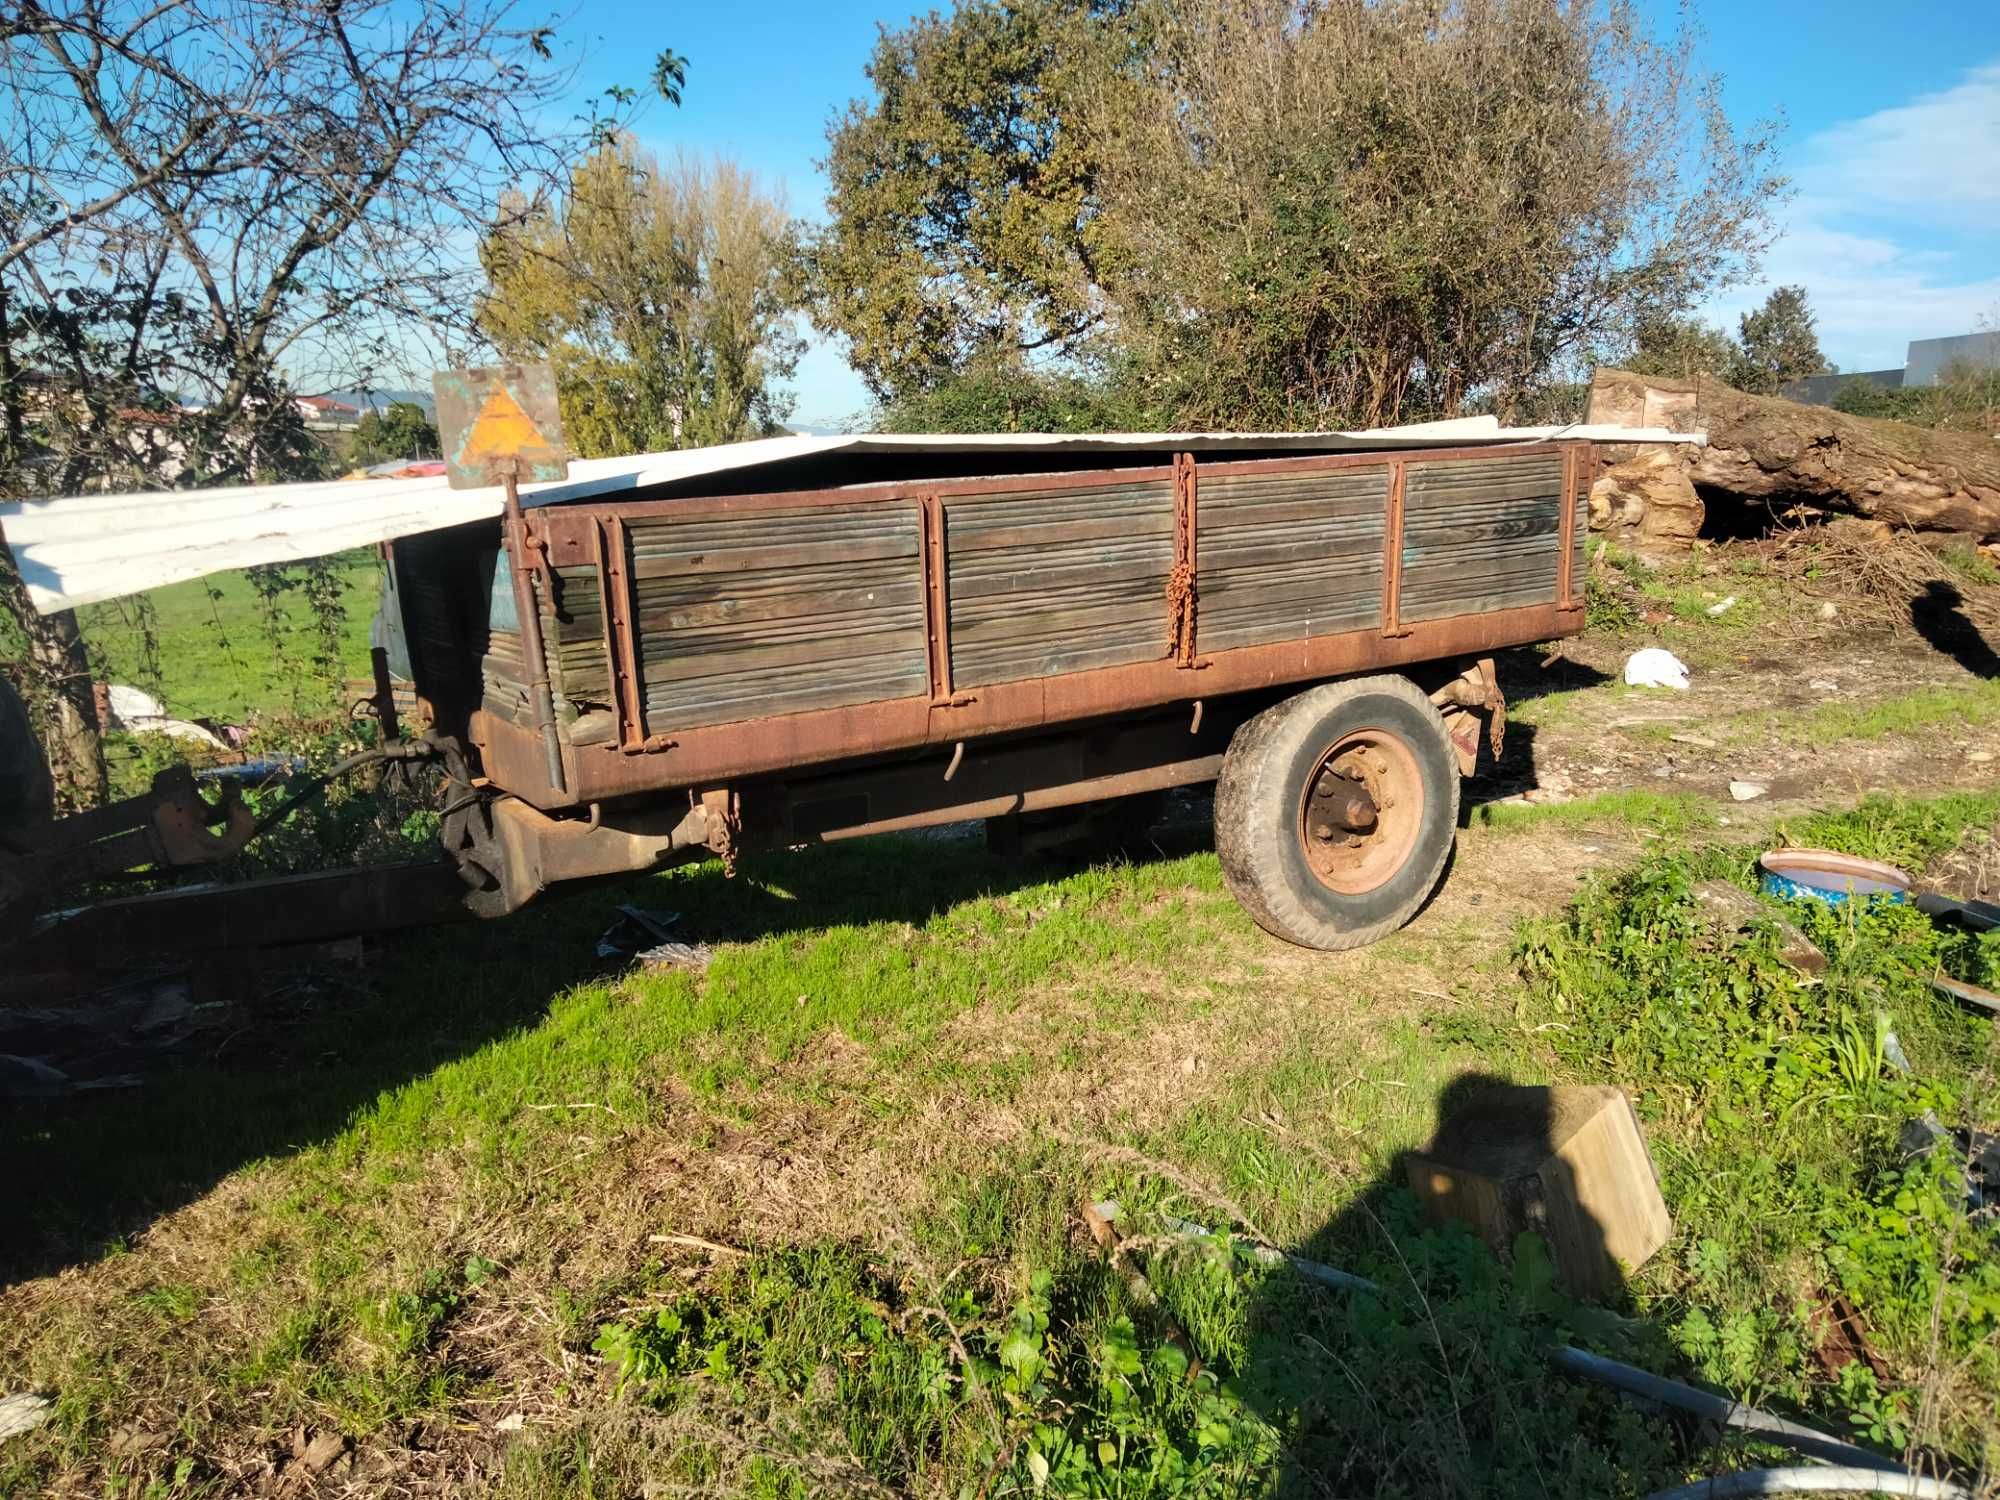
(1644, 501)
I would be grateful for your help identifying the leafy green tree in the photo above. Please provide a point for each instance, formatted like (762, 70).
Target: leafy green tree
(998, 393)
(1778, 344)
(663, 296)
(211, 200)
(964, 219)
(401, 431)
(1281, 215)
(1683, 348)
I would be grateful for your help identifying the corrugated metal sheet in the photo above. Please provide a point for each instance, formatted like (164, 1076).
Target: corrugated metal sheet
(776, 612)
(77, 550)
(1052, 581)
(1480, 534)
(1288, 555)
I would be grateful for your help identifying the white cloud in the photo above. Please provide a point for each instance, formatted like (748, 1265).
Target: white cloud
(1933, 161)
(1883, 201)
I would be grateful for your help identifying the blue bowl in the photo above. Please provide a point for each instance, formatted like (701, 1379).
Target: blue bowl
(1825, 875)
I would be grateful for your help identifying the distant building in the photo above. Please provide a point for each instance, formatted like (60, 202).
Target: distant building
(1929, 358)
(325, 412)
(1923, 363)
(1819, 390)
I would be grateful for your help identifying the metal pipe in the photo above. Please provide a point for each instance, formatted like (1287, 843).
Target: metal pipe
(540, 697)
(1636, 1382)
(1816, 1481)
(1795, 1435)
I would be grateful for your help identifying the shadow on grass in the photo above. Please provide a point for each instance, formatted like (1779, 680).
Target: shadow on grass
(291, 1068)
(1526, 675)
(1439, 1383)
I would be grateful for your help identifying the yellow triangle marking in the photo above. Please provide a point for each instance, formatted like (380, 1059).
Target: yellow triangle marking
(503, 430)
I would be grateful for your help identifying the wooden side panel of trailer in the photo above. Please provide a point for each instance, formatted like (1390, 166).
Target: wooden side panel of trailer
(1480, 535)
(1287, 554)
(1039, 583)
(781, 611)
(693, 641)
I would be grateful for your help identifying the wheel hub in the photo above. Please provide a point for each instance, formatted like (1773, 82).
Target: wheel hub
(1362, 811)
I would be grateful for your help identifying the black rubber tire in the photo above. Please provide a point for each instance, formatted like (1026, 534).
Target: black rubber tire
(1261, 790)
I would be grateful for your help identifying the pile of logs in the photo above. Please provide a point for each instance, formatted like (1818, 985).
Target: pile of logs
(1774, 454)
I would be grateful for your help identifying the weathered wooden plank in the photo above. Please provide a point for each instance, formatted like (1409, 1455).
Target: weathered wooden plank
(1053, 581)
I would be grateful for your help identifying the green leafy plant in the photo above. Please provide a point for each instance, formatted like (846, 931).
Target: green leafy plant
(1778, 1101)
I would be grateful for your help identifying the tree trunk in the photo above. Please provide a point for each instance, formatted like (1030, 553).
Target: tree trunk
(58, 686)
(1769, 449)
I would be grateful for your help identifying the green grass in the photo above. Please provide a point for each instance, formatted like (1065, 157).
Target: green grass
(1840, 721)
(1920, 709)
(1969, 564)
(1774, 1108)
(215, 655)
(451, 1191)
(1667, 813)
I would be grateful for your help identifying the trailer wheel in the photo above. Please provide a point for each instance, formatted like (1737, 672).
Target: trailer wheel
(1336, 810)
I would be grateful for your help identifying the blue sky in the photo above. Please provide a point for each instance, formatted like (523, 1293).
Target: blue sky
(1892, 140)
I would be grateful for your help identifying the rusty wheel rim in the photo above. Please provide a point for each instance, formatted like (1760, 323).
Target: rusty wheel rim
(1361, 812)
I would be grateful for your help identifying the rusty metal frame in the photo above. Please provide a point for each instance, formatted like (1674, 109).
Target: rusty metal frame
(932, 564)
(582, 533)
(721, 752)
(621, 644)
(1184, 582)
(1566, 531)
(564, 528)
(1392, 551)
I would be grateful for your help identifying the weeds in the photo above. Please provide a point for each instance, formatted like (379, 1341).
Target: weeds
(1777, 1110)
(1039, 1372)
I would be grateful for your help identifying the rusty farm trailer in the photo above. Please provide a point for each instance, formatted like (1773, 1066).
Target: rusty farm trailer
(779, 656)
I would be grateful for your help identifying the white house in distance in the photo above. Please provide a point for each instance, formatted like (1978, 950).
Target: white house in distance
(326, 414)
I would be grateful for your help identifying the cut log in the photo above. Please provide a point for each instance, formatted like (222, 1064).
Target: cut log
(1769, 449)
(1644, 500)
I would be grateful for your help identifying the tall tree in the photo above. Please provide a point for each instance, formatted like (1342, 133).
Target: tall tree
(1682, 348)
(400, 431)
(1283, 214)
(963, 205)
(663, 296)
(1778, 342)
(204, 200)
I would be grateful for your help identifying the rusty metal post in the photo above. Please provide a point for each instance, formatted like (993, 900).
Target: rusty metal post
(385, 695)
(621, 642)
(1182, 586)
(1392, 551)
(1566, 528)
(542, 699)
(932, 565)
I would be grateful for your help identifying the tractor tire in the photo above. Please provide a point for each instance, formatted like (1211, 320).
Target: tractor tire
(1336, 811)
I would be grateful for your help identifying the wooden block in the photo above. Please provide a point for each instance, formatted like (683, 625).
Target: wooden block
(1568, 1163)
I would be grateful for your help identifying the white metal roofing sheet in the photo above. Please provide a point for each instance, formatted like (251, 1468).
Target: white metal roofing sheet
(82, 549)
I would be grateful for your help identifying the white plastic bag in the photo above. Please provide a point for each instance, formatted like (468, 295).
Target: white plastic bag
(1656, 667)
